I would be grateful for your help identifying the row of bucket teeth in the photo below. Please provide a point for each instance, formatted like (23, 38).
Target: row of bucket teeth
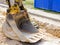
(36, 37)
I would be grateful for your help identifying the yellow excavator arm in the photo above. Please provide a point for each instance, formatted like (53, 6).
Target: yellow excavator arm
(14, 8)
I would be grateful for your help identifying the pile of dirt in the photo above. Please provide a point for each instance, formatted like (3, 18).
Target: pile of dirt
(50, 28)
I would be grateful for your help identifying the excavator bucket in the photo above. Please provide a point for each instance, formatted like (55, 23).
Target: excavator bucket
(19, 27)
(24, 32)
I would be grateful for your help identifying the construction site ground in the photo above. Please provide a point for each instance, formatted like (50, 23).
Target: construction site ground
(48, 39)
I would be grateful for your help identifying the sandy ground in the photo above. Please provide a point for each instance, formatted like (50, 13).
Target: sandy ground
(50, 40)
